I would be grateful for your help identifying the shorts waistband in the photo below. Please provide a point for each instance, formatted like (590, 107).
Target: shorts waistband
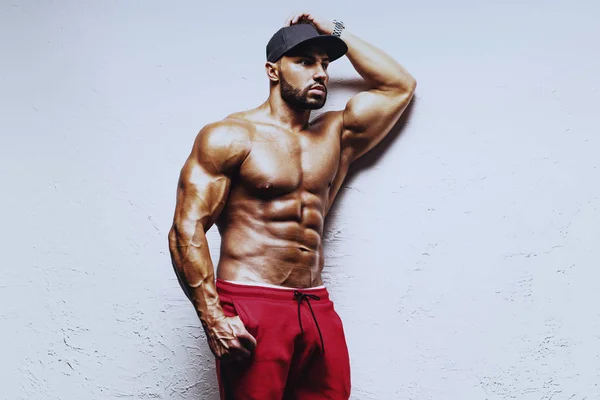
(271, 292)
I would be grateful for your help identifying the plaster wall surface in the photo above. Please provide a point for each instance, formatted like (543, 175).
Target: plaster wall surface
(462, 253)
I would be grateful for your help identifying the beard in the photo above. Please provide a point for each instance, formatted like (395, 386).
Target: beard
(299, 98)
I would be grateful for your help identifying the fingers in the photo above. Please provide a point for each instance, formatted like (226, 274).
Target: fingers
(247, 340)
(243, 336)
(297, 17)
(236, 352)
(238, 345)
(237, 349)
(288, 20)
(293, 18)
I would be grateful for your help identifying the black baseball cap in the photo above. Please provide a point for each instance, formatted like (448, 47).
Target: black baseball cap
(289, 37)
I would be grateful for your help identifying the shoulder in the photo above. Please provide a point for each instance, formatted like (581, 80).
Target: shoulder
(223, 144)
(223, 134)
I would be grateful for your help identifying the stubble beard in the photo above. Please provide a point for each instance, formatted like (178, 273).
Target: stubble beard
(299, 98)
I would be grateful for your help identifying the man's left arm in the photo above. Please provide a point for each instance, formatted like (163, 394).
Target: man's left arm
(370, 115)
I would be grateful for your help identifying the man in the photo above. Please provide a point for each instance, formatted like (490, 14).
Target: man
(267, 177)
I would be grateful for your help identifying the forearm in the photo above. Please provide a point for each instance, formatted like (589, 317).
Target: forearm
(375, 66)
(191, 259)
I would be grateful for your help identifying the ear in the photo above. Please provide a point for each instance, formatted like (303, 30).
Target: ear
(272, 70)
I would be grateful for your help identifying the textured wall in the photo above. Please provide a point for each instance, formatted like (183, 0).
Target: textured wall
(461, 258)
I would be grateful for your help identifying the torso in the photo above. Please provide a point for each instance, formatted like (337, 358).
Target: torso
(272, 224)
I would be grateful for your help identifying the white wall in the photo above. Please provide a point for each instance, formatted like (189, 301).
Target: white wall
(461, 259)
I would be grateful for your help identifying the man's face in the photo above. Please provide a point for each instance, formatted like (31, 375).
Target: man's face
(303, 78)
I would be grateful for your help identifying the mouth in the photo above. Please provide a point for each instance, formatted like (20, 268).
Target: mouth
(319, 89)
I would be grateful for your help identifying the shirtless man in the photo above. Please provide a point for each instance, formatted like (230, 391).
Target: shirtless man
(267, 177)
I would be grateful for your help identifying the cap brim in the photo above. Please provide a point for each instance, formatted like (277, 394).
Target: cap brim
(333, 45)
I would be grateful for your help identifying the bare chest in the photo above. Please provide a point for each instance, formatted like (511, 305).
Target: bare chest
(282, 162)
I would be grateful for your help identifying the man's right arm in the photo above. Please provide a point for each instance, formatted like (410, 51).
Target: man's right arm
(204, 183)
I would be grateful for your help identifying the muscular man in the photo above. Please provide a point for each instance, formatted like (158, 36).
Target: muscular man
(267, 177)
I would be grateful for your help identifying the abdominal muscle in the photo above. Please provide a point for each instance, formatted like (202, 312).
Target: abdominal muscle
(275, 242)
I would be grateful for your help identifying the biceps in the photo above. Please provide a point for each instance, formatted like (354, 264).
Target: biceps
(200, 199)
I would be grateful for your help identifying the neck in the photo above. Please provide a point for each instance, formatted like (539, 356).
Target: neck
(285, 115)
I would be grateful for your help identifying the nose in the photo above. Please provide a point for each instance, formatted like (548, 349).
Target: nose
(320, 74)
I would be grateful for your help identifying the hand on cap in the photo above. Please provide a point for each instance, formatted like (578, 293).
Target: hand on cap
(323, 26)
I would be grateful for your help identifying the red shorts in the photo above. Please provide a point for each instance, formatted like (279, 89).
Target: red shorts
(301, 350)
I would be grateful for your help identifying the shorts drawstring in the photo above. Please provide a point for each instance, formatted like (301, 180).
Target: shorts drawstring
(299, 297)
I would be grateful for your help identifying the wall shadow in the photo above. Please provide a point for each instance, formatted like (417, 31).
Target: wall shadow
(373, 156)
